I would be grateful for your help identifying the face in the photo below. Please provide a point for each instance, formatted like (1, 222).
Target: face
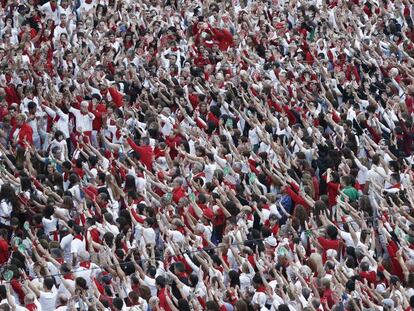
(19, 121)
(50, 168)
(84, 107)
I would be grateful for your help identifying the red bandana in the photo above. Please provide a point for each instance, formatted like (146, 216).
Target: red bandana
(78, 236)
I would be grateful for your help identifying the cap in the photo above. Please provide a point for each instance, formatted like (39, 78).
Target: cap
(388, 302)
(271, 241)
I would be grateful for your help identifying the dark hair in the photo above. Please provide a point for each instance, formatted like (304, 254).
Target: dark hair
(3, 292)
(160, 281)
(118, 303)
(130, 184)
(183, 305)
(8, 194)
(283, 307)
(234, 278)
(48, 282)
(212, 306)
(332, 232)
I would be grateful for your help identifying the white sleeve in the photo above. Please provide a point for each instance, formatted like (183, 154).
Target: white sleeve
(74, 111)
(191, 264)
(50, 112)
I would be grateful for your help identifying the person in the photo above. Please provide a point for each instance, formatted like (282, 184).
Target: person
(22, 133)
(4, 246)
(47, 296)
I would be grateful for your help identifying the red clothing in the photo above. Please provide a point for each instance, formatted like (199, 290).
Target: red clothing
(98, 112)
(11, 95)
(114, 94)
(95, 236)
(296, 198)
(4, 251)
(146, 153)
(328, 244)
(328, 297)
(392, 249)
(177, 194)
(162, 294)
(370, 276)
(25, 133)
(18, 289)
(333, 191)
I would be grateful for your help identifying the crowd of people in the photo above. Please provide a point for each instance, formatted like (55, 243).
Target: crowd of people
(165, 155)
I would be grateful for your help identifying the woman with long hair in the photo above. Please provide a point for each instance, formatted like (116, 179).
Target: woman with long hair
(9, 206)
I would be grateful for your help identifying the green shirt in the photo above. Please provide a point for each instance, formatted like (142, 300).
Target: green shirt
(351, 193)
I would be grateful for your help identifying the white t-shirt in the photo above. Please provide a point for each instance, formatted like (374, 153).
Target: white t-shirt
(48, 300)
(66, 245)
(83, 121)
(209, 171)
(49, 225)
(64, 290)
(5, 211)
(377, 174)
(151, 284)
(88, 274)
(77, 246)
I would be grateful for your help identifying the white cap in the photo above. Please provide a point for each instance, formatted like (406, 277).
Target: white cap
(271, 241)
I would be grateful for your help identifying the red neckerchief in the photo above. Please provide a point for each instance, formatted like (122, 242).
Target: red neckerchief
(99, 286)
(68, 277)
(261, 289)
(85, 264)
(31, 307)
(182, 275)
(118, 133)
(78, 236)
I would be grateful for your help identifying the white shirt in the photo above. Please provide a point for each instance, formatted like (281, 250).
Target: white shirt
(77, 246)
(66, 245)
(76, 193)
(47, 10)
(209, 171)
(64, 290)
(87, 274)
(49, 225)
(151, 284)
(83, 121)
(5, 211)
(48, 300)
(62, 124)
(377, 175)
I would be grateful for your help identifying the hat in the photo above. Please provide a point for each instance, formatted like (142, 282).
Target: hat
(388, 303)
(331, 253)
(271, 241)
(381, 288)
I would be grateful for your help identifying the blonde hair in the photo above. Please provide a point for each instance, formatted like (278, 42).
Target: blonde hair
(21, 116)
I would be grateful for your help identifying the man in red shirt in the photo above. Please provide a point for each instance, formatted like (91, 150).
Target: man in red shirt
(331, 242)
(22, 133)
(145, 151)
(162, 293)
(4, 247)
